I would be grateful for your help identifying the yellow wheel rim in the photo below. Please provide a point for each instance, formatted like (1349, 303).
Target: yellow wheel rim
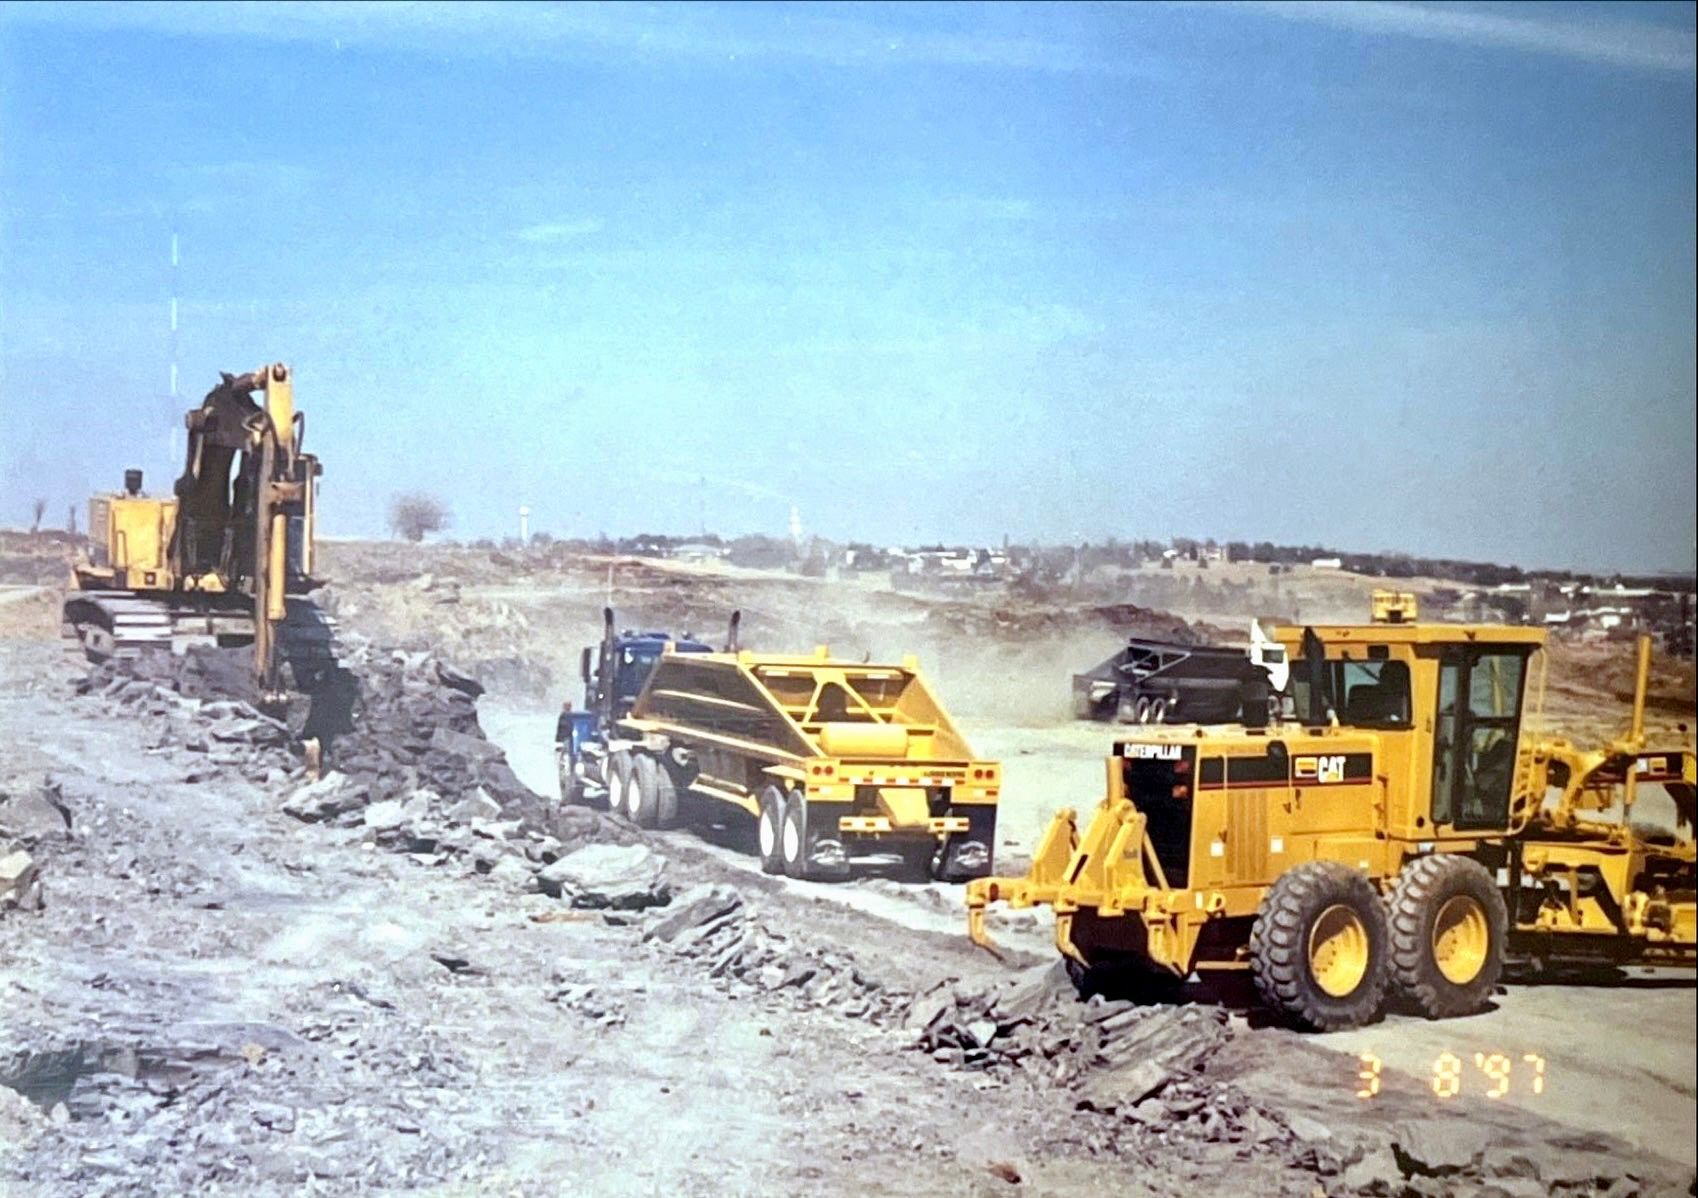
(1338, 951)
(1461, 937)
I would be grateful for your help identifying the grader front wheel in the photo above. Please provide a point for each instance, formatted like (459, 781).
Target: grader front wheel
(1448, 926)
(1318, 947)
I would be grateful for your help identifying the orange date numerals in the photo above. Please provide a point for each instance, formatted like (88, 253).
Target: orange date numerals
(1496, 1068)
(1368, 1075)
(1447, 1075)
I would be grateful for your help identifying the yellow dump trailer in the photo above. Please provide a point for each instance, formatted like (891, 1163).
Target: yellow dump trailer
(833, 759)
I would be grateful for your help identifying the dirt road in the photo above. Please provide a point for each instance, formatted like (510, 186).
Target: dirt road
(1617, 1058)
(220, 998)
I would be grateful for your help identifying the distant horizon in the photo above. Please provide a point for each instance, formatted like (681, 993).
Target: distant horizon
(454, 537)
(1343, 274)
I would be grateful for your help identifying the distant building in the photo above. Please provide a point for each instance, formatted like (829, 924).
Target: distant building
(1328, 563)
(700, 551)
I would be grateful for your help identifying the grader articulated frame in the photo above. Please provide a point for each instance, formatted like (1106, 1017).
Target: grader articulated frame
(1407, 834)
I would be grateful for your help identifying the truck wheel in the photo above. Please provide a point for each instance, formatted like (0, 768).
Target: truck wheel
(642, 796)
(1318, 946)
(770, 830)
(570, 794)
(619, 784)
(793, 837)
(665, 796)
(1158, 710)
(1448, 927)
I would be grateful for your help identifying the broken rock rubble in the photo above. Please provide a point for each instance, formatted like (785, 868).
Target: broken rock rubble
(711, 926)
(622, 877)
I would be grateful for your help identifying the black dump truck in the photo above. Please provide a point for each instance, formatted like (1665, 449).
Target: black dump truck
(1155, 682)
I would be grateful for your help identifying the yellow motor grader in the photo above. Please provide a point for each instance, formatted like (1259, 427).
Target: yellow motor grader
(1402, 828)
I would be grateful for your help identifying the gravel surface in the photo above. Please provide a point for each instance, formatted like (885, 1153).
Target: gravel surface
(235, 978)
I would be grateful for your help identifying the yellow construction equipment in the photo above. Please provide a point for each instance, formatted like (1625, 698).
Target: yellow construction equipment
(224, 560)
(1407, 833)
(833, 759)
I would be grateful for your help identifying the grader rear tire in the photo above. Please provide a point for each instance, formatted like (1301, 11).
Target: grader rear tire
(1318, 947)
(1448, 928)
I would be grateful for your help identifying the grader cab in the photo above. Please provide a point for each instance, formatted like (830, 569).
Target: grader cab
(1395, 836)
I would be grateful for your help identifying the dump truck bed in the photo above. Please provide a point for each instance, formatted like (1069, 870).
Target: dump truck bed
(1166, 682)
(795, 708)
(865, 747)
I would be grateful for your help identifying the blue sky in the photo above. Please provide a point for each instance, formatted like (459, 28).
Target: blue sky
(1381, 276)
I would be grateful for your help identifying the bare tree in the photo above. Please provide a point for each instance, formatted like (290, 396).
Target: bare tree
(416, 513)
(37, 510)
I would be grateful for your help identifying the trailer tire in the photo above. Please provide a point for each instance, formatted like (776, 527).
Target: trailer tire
(619, 785)
(793, 838)
(665, 794)
(1448, 925)
(643, 797)
(1319, 945)
(1158, 710)
(769, 829)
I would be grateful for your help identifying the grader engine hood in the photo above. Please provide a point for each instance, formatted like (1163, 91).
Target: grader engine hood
(1136, 846)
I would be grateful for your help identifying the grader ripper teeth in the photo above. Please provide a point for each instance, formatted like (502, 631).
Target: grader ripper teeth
(1408, 834)
(833, 759)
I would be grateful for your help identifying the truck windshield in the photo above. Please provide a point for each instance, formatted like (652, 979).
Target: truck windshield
(634, 667)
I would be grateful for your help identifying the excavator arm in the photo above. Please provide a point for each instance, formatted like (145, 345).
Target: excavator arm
(243, 481)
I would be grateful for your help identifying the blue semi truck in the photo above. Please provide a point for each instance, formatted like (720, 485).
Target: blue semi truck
(613, 673)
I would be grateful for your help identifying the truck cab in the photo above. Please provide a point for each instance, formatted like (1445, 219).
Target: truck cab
(613, 672)
(614, 676)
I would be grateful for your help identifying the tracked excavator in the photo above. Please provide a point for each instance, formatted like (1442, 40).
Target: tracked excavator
(227, 559)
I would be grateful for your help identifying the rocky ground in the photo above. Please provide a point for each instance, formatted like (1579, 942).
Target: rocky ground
(415, 972)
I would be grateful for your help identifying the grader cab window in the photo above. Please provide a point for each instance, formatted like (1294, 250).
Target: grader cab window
(1365, 694)
(1474, 739)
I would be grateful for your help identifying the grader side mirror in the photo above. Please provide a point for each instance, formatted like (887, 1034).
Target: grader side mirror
(584, 664)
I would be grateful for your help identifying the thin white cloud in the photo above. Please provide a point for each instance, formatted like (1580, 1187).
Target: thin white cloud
(1611, 41)
(563, 230)
(726, 33)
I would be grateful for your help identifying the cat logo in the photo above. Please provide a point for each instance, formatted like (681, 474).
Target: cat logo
(1322, 770)
(1153, 752)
